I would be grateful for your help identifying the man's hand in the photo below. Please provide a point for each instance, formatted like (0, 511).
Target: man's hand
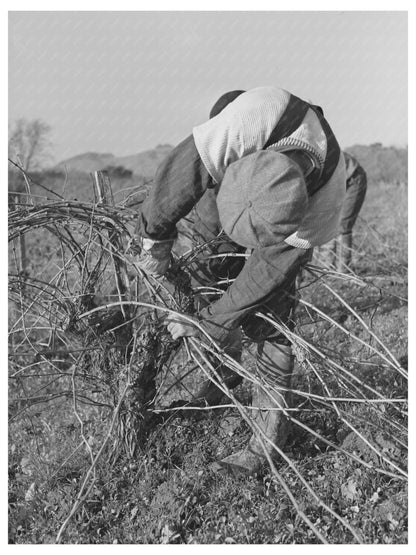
(178, 327)
(154, 257)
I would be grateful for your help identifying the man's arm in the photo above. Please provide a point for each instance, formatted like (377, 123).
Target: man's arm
(266, 270)
(179, 183)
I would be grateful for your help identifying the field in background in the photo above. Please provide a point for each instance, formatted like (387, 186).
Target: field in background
(167, 494)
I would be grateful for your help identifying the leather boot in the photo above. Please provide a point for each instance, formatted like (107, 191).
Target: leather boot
(274, 367)
(210, 395)
(344, 252)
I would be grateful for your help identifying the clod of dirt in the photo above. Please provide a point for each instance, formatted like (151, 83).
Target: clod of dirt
(393, 509)
(229, 425)
(353, 443)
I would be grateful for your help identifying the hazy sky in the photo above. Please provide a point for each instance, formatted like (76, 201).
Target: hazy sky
(123, 82)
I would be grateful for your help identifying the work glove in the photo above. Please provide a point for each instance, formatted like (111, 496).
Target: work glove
(179, 327)
(154, 257)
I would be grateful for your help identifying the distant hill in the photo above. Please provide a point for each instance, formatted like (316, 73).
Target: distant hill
(145, 163)
(141, 164)
(382, 163)
(88, 162)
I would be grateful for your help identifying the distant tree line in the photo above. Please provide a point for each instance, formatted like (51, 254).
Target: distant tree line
(118, 172)
(389, 164)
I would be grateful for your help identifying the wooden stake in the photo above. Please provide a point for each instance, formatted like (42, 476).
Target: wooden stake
(105, 196)
(22, 247)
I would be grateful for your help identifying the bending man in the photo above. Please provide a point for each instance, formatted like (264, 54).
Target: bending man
(264, 176)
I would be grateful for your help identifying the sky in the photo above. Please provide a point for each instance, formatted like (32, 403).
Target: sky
(123, 82)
